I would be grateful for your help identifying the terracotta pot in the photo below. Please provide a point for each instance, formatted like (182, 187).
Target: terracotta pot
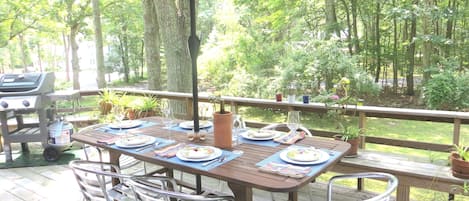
(222, 129)
(132, 114)
(459, 167)
(146, 113)
(137, 114)
(353, 143)
(105, 107)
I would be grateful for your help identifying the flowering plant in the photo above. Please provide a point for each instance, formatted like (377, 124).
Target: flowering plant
(340, 99)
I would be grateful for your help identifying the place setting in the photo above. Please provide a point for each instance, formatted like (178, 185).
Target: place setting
(140, 143)
(196, 156)
(297, 161)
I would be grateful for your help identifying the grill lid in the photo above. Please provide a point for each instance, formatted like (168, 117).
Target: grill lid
(19, 82)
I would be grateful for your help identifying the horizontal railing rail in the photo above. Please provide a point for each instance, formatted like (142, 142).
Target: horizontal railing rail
(362, 112)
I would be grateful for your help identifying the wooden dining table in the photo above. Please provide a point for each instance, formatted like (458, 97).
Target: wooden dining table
(242, 174)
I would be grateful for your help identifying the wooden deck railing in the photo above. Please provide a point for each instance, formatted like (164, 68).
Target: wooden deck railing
(363, 112)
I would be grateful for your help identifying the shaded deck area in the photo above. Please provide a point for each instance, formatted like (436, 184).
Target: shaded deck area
(56, 182)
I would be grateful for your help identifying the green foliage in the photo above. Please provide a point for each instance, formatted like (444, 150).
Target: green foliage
(144, 104)
(463, 152)
(108, 96)
(447, 90)
(217, 99)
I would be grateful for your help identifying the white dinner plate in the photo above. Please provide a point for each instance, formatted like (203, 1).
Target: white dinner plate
(189, 153)
(135, 141)
(322, 158)
(190, 124)
(260, 135)
(126, 124)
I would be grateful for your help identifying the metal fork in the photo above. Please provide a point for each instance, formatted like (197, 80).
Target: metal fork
(219, 159)
(147, 146)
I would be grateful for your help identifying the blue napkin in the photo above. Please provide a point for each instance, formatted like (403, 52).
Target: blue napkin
(198, 165)
(314, 168)
(180, 129)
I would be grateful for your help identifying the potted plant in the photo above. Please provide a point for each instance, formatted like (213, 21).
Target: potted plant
(222, 123)
(460, 162)
(106, 101)
(142, 107)
(352, 136)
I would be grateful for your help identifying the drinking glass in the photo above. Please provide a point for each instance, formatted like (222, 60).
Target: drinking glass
(293, 120)
(167, 116)
(119, 115)
(238, 126)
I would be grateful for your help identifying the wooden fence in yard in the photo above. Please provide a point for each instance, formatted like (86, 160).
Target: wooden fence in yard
(362, 112)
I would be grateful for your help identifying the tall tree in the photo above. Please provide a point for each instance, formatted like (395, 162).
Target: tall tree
(427, 40)
(98, 44)
(173, 19)
(77, 11)
(331, 19)
(152, 45)
(411, 54)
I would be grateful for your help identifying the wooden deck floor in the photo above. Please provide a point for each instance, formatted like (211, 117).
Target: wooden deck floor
(54, 183)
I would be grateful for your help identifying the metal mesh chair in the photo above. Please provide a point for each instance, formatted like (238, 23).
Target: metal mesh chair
(126, 162)
(95, 181)
(385, 196)
(157, 188)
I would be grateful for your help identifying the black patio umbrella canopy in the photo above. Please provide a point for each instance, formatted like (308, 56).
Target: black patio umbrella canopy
(194, 45)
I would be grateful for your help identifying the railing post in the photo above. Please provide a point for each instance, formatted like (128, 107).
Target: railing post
(362, 126)
(189, 112)
(456, 131)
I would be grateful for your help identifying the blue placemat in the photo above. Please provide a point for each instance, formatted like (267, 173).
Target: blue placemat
(314, 168)
(108, 129)
(198, 165)
(162, 143)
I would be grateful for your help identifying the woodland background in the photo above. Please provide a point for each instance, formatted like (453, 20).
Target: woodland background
(411, 51)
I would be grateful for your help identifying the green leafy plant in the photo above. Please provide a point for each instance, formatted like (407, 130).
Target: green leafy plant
(217, 99)
(350, 132)
(463, 152)
(144, 104)
(108, 96)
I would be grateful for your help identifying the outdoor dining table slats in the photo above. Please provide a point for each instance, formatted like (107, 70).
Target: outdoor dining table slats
(241, 174)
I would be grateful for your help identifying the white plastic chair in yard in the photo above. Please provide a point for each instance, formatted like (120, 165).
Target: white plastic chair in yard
(385, 196)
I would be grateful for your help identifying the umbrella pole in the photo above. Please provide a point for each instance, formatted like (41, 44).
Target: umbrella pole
(194, 44)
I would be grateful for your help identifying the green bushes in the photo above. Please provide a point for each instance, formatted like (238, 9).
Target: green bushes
(447, 91)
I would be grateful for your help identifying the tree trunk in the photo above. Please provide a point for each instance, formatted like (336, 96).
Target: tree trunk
(75, 61)
(449, 25)
(411, 55)
(124, 52)
(331, 19)
(39, 57)
(378, 43)
(24, 53)
(173, 19)
(101, 81)
(67, 56)
(395, 55)
(427, 44)
(356, 40)
(152, 45)
(349, 27)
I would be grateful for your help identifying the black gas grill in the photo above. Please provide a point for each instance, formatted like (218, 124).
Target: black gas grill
(24, 94)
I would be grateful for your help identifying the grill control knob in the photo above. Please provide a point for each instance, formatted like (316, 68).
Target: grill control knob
(4, 104)
(26, 103)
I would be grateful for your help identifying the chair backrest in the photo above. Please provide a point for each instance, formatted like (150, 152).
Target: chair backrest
(284, 125)
(157, 188)
(94, 179)
(384, 196)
